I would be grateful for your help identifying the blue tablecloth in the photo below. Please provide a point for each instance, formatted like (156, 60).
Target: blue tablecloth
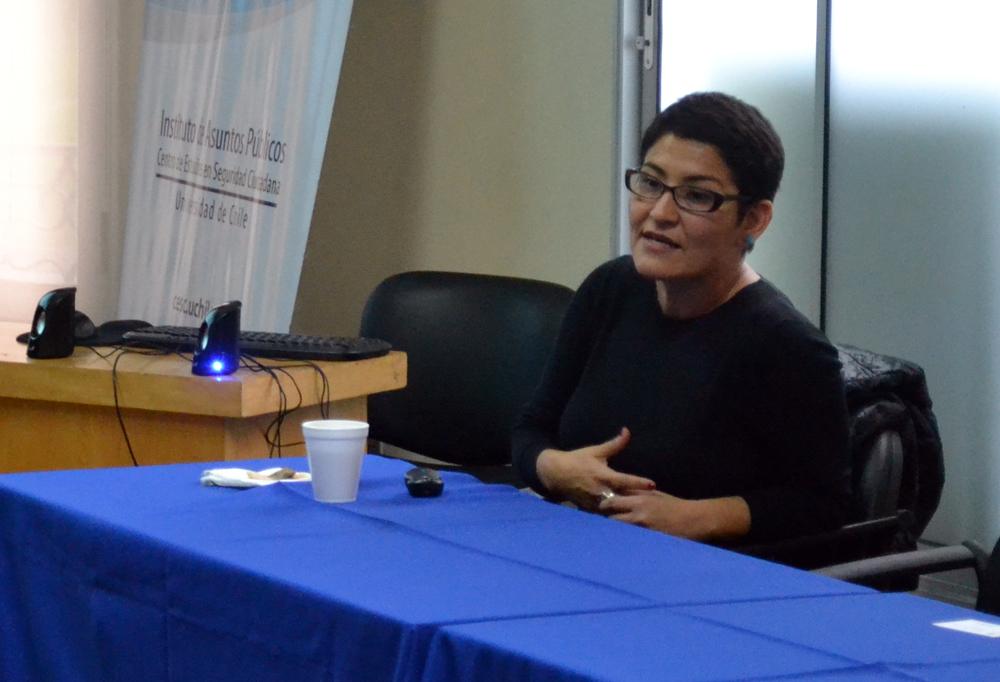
(885, 631)
(647, 644)
(143, 574)
(845, 637)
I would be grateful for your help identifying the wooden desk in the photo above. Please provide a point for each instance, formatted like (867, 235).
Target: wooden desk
(60, 414)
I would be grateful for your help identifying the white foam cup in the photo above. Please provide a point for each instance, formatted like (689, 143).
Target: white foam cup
(335, 448)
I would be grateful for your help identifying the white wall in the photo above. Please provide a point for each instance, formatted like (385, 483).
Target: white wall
(111, 37)
(914, 232)
(775, 71)
(67, 142)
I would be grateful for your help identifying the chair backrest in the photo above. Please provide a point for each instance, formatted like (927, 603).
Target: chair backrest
(896, 448)
(476, 347)
(876, 490)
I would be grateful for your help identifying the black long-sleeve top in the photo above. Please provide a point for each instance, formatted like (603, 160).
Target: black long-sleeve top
(746, 400)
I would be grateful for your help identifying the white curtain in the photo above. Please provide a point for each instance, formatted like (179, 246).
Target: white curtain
(64, 130)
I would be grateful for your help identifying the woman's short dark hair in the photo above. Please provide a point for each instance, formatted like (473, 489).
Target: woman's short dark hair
(746, 141)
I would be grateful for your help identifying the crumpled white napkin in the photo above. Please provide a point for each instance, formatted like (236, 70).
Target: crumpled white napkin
(245, 478)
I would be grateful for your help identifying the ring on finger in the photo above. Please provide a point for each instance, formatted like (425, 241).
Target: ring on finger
(607, 494)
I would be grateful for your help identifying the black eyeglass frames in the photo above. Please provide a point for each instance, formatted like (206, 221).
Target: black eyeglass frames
(687, 197)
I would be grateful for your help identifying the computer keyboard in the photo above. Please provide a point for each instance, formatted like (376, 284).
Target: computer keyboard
(265, 344)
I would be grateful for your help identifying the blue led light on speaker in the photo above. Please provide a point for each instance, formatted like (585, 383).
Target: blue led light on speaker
(215, 365)
(218, 350)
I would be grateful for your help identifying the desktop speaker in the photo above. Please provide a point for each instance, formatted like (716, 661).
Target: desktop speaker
(218, 348)
(51, 334)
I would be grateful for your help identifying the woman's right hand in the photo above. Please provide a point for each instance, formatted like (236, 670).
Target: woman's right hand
(583, 476)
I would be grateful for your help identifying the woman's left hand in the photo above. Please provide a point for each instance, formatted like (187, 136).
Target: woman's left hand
(712, 519)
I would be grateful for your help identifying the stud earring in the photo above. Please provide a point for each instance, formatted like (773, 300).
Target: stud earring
(749, 243)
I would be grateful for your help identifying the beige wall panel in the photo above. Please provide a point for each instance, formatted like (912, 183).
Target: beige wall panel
(468, 135)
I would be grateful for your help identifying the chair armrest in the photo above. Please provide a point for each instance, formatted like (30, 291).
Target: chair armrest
(847, 543)
(910, 564)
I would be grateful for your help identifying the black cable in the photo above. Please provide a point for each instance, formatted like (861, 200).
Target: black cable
(273, 441)
(118, 409)
(255, 367)
(272, 432)
(103, 356)
(287, 411)
(122, 351)
(324, 395)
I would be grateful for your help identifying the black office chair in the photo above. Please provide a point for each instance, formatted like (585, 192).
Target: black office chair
(476, 346)
(898, 467)
(909, 566)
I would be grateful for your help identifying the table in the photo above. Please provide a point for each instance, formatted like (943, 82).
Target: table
(141, 573)
(842, 637)
(57, 414)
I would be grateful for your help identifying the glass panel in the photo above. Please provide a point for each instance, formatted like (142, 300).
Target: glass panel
(914, 221)
(765, 53)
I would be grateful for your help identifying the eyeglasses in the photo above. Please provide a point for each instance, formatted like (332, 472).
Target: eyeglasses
(688, 197)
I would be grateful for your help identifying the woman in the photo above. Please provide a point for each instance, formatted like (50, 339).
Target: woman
(686, 394)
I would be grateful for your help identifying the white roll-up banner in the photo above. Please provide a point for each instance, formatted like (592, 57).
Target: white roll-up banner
(234, 106)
